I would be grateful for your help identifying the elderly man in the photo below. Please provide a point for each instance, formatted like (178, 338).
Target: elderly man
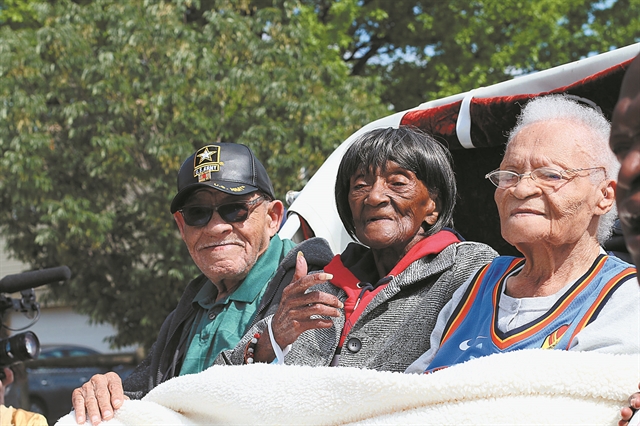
(555, 195)
(625, 143)
(228, 217)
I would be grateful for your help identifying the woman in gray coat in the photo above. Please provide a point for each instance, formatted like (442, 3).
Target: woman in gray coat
(375, 305)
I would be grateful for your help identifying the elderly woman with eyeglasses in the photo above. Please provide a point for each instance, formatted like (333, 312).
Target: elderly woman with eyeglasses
(555, 197)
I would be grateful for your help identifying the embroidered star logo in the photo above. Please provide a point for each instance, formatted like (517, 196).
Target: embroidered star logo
(205, 155)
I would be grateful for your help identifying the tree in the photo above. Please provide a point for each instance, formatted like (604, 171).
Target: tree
(101, 102)
(428, 49)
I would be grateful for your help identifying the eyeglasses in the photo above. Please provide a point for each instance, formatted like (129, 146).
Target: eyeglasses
(546, 176)
(199, 216)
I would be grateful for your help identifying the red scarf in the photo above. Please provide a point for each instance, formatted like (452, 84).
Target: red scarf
(344, 279)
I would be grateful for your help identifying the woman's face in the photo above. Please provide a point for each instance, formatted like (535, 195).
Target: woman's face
(531, 213)
(390, 207)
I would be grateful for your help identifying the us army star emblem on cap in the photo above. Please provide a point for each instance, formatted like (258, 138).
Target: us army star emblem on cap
(205, 162)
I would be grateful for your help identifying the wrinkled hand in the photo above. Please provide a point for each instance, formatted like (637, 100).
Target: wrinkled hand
(626, 413)
(295, 311)
(98, 398)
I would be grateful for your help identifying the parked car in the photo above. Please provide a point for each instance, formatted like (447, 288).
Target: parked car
(50, 387)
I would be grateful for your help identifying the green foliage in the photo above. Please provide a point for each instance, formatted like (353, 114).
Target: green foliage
(428, 49)
(17, 13)
(101, 102)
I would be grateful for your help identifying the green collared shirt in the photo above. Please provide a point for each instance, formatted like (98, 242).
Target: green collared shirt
(219, 326)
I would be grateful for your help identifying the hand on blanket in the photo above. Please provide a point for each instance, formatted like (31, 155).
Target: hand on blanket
(98, 398)
(296, 308)
(626, 413)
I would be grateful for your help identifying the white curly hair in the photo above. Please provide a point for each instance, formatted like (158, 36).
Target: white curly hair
(567, 107)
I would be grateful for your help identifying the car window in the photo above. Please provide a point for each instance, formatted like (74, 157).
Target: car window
(80, 352)
(51, 354)
(65, 352)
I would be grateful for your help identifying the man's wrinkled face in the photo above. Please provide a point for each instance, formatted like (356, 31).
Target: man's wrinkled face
(625, 143)
(227, 251)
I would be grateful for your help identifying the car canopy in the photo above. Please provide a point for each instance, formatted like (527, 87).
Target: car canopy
(473, 125)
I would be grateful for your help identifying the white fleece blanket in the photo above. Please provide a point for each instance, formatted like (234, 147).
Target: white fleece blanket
(525, 387)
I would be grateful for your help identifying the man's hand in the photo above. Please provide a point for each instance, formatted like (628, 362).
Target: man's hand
(296, 308)
(8, 379)
(98, 398)
(626, 413)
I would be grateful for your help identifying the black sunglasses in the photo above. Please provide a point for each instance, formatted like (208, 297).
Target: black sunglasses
(199, 216)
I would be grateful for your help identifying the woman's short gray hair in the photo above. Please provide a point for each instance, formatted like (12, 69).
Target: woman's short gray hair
(566, 107)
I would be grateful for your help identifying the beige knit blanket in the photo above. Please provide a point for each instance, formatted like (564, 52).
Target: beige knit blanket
(525, 387)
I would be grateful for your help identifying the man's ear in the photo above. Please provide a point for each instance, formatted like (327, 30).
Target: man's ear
(275, 212)
(177, 216)
(608, 199)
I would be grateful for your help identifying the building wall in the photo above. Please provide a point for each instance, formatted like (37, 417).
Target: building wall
(9, 266)
(60, 325)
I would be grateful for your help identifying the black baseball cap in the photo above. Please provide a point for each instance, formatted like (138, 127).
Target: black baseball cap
(227, 167)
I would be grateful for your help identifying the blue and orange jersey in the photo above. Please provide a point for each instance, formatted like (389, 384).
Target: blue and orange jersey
(472, 330)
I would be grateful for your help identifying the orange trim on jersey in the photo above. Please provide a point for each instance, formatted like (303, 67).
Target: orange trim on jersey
(565, 300)
(463, 308)
(600, 300)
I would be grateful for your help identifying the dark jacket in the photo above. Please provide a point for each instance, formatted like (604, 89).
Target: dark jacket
(165, 357)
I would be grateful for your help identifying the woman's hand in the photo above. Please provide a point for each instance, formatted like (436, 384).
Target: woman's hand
(299, 311)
